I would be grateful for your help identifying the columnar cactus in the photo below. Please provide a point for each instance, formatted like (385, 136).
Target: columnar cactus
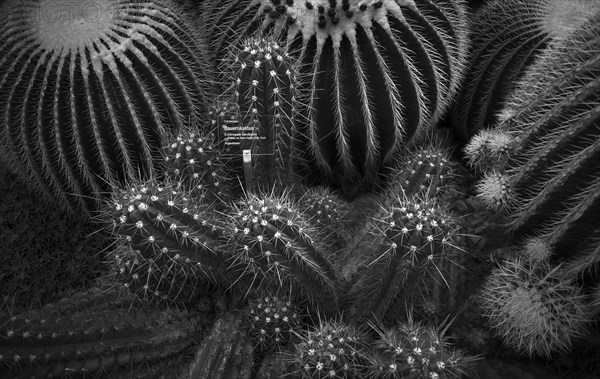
(415, 246)
(548, 178)
(508, 35)
(410, 350)
(111, 340)
(382, 72)
(264, 79)
(172, 232)
(279, 245)
(194, 163)
(90, 92)
(534, 307)
(332, 349)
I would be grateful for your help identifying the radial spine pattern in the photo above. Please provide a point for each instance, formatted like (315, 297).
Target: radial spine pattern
(89, 92)
(377, 73)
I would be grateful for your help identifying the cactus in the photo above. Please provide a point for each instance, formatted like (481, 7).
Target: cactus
(278, 245)
(409, 261)
(89, 93)
(382, 72)
(105, 338)
(194, 162)
(174, 233)
(549, 180)
(508, 35)
(273, 321)
(410, 350)
(424, 171)
(487, 149)
(534, 307)
(326, 209)
(263, 76)
(226, 352)
(333, 349)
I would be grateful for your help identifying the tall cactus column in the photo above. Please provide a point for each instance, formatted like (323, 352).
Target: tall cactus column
(265, 89)
(89, 92)
(379, 73)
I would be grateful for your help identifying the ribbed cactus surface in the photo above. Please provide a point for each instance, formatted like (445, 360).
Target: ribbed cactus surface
(89, 92)
(264, 79)
(102, 339)
(375, 74)
(507, 37)
(547, 174)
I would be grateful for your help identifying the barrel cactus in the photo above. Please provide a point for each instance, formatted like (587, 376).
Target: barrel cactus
(90, 92)
(376, 74)
(508, 35)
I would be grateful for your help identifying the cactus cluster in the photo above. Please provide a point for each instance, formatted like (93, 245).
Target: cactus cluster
(377, 74)
(89, 93)
(546, 148)
(507, 37)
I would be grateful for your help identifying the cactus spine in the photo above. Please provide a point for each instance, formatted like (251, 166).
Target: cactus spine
(508, 35)
(382, 72)
(263, 76)
(88, 102)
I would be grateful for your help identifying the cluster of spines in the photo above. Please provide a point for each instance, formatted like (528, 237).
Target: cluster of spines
(326, 209)
(547, 145)
(264, 80)
(276, 243)
(410, 260)
(195, 164)
(104, 338)
(425, 171)
(407, 58)
(411, 350)
(534, 307)
(85, 105)
(332, 349)
(273, 320)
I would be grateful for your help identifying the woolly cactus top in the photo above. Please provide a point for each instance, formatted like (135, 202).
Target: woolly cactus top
(330, 18)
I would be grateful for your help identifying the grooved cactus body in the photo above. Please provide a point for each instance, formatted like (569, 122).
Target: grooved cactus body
(195, 164)
(415, 245)
(273, 321)
(106, 338)
(548, 172)
(90, 92)
(263, 76)
(380, 72)
(277, 244)
(508, 35)
(173, 233)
